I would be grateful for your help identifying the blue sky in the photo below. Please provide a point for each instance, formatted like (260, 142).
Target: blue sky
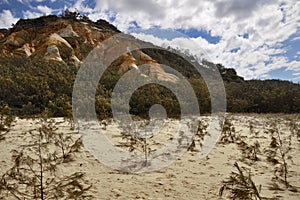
(259, 38)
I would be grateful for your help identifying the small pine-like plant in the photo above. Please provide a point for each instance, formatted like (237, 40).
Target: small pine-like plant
(6, 120)
(199, 136)
(67, 145)
(240, 186)
(33, 174)
(294, 129)
(229, 134)
(250, 151)
(277, 154)
(71, 123)
(134, 141)
(252, 129)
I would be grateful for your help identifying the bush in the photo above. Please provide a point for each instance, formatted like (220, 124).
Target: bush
(240, 186)
(277, 154)
(6, 120)
(33, 174)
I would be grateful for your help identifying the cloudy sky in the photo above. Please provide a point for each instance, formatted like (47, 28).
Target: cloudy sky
(259, 38)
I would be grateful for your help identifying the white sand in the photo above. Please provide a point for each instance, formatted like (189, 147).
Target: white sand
(187, 178)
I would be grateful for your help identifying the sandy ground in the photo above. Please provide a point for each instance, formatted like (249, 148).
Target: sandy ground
(187, 178)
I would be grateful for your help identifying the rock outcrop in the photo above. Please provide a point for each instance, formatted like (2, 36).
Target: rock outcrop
(52, 53)
(26, 50)
(67, 32)
(16, 39)
(3, 33)
(69, 41)
(155, 70)
(55, 39)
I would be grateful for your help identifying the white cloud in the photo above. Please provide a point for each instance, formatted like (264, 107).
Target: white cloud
(39, 11)
(238, 9)
(294, 66)
(296, 39)
(4, 2)
(79, 5)
(7, 19)
(30, 15)
(296, 77)
(134, 8)
(44, 9)
(267, 22)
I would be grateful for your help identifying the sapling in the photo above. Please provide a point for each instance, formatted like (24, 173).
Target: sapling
(199, 136)
(136, 141)
(71, 123)
(34, 171)
(250, 151)
(229, 134)
(6, 120)
(295, 129)
(252, 129)
(277, 154)
(67, 145)
(240, 186)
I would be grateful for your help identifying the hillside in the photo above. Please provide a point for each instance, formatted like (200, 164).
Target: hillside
(39, 59)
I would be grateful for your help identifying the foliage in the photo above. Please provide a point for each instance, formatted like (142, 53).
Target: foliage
(270, 96)
(229, 134)
(148, 95)
(240, 186)
(135, 141)
(199, 136)
(252, 130)
(37, 85)
(33, 174)
(6, 120)
(277, 154)
(70, 15)
(67, 145)
(250, 151)
(295, 129)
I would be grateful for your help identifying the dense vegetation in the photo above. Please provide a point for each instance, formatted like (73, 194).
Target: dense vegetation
(31, 86)
(261, 96)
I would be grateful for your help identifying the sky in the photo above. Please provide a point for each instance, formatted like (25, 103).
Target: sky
(258, 38)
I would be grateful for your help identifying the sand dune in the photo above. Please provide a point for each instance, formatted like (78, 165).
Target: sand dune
(187, 178)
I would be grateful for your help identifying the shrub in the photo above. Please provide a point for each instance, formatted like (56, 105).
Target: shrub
(277, 154)
(229, 134)
(33, 174)
(240, 186)
(136, 142)
(250, 151)
(199, 136)
(6, 120)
